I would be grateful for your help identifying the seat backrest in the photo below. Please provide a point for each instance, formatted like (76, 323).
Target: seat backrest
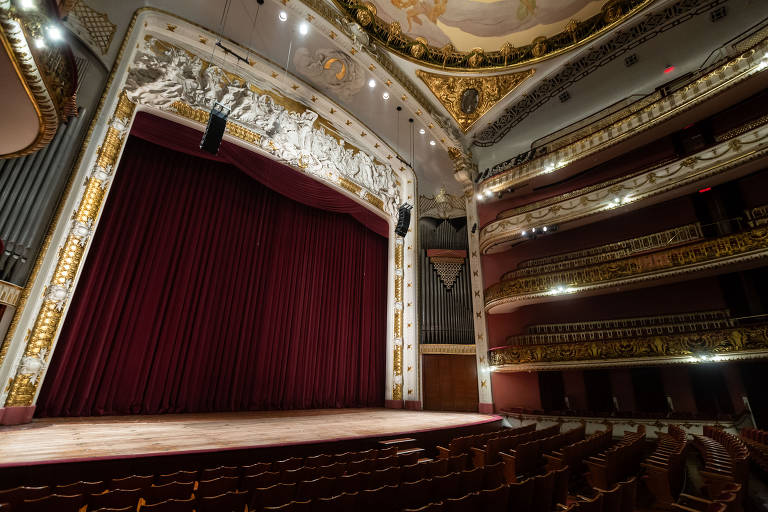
(351, 483)
(560, 493)
(265, 479)
(494, 499)
(472, 480)
(521, 494)
(216, 486)
(171, 505)
(17, 495)
(55, 502)
(184, 475)
(211, 473)
(612, 499)
(131, 482)
(117, 498)
(493, 475)
(272, 496)
(256, 468)
(232, 501)
(332, 470)
(436, 467)
(296, 474)
(172, 490)
(344, 502)
(316, 461)
(285, 464)
(322, 487)
(628, 494)
(79, 488)
(468, 502)
(543, 494)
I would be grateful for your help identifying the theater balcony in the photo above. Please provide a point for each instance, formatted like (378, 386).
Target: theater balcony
(630, 124)
(38, 76)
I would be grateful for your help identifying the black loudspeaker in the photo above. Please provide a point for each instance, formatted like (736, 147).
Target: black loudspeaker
(403, 219)
(217, 122)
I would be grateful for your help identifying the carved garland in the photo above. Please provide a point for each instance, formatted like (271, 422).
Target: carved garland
(397, 355)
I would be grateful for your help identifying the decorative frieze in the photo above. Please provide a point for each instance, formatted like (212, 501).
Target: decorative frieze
(447, 348)
(504, 232)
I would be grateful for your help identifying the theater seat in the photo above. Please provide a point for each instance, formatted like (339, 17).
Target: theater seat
(79, 488)
(172, 490)
(232, 501)
(294, 506)
(465, 503)
(182, 475)
(17, 495)
(119, 498)
(221, 471)
(344, 502)
(171, 506)
(216, 486)
(132, 482)
(55, 502)
(432, 507)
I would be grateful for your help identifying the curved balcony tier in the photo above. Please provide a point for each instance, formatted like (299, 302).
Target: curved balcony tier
(737, 251)
(730, 159)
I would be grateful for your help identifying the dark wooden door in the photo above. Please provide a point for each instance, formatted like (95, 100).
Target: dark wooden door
(450, 382)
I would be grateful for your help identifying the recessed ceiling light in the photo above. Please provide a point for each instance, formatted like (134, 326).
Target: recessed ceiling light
(303, 28)
(385, 95)
(371, 83)
(54, 33)
(422, 131)
(432, 143)
(27, 5)
(40, 42)
(282, 16)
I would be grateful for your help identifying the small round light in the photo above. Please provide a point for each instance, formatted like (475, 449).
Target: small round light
(282, 16)
(303, 28)
(422, 131)
(39, 42)
(488, 193)
(533, 230)
(432, 143)
(54, 33)
(524, 233)
(544, 229)
(371, 83)
(27, 5)
(479, 196)
(385, 95)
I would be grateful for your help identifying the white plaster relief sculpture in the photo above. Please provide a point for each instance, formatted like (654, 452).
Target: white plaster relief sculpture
(162, 74)
(332, 68)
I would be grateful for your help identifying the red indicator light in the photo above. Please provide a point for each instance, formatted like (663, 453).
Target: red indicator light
(669, 69)
(705, 190)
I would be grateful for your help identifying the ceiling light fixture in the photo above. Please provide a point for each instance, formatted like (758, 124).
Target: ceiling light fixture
(303, 28)
(488, 193)
(54, 33)
(422, 131)
(385, 95)
(40, 42)
(432, 143)
(479, 196)
(27, 5)
(282, 16)
(371, 83)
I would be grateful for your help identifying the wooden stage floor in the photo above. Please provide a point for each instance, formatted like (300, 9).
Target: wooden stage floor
(77, 439)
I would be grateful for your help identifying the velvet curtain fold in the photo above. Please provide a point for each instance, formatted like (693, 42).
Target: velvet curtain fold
(206, 290)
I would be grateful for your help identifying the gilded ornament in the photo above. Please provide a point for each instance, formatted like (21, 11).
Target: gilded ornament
(393, 31)
(507, 51)
(366, 13)
(539, 47)
(572, 29)
(468, 98)
(446, 51)
(419, 48)
(476, 57)
(612, 11)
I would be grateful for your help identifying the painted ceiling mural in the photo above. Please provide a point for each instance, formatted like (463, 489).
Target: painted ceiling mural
(480, 23)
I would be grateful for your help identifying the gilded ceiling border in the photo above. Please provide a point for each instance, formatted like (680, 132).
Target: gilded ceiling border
(735, 343)
(730, 74)
(30, 356)
(418, 50)
(650, 184)
(14, 42)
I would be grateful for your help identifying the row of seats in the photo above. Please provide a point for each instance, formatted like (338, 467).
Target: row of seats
(725, 460)
(665, 467)
(464, 444)
(617, 462)
(757, 442)
(526, 458)
(622, 497)
(573, 455)
(546, 439)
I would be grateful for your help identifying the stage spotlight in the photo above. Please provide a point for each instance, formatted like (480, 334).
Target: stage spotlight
(214, 132)
(54, 33)
(403, 219)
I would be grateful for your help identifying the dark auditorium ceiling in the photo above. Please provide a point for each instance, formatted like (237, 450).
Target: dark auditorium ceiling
(486, 76)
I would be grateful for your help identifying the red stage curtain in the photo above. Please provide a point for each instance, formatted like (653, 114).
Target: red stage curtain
(205, 290)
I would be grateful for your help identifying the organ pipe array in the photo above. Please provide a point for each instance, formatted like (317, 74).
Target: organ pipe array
(446, 313)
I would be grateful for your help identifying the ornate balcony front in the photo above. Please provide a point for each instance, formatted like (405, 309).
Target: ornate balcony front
(38, 77)
(740, 250)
